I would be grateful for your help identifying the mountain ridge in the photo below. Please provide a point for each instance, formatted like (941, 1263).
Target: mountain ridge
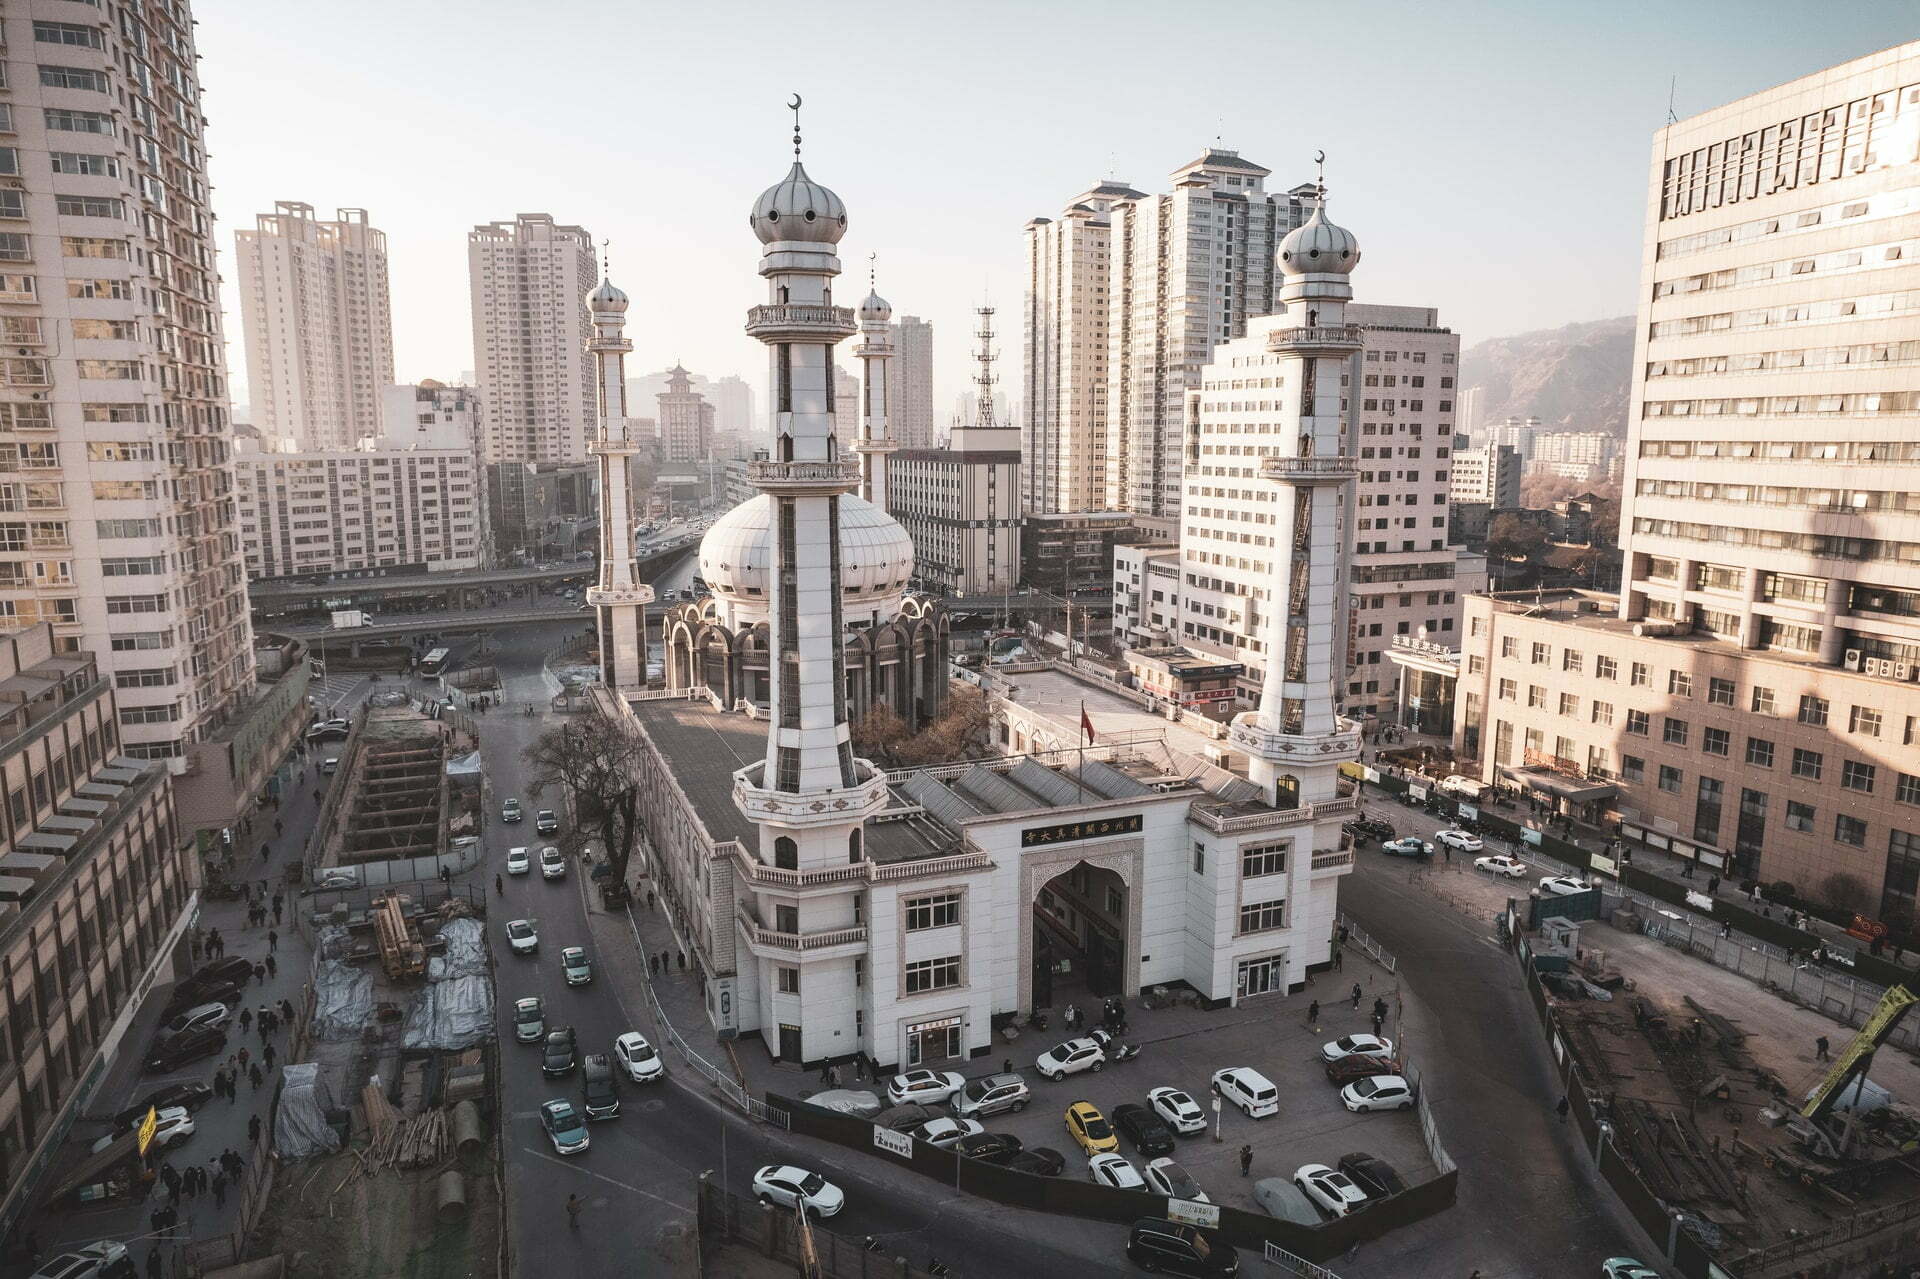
(1573, 378)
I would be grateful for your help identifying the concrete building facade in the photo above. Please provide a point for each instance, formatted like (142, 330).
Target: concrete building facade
(1490, 476)
(684, 421)
(911, 414)
(527, 278)
(430, 414)
(318, 325)
(1589, 456)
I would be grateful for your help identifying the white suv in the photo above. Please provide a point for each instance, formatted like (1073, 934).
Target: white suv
(991, 1095)
(1248, 1089)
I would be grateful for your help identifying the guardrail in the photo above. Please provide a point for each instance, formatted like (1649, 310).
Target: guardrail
(1357, 936)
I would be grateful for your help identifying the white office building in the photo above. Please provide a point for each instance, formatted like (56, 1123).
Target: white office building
(911, 416)
(430, 414)
(1490, 475)
(528, 279)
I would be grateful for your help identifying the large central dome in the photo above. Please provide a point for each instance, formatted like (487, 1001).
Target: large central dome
(876, 560)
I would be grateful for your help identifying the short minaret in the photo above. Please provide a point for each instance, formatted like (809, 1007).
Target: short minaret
(876, 394)
(1295, 742)
(620, 600)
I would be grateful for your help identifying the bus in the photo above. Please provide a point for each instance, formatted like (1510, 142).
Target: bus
(433, 663)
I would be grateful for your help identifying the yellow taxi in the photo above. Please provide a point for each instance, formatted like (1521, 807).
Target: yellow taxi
(1087, 1126)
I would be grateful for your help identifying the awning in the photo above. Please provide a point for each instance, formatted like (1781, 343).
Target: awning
(1574, 790)
(96, 1166)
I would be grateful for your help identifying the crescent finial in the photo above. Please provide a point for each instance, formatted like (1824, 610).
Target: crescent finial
(795, 104)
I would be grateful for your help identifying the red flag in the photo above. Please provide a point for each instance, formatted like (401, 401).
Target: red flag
(1086, 725)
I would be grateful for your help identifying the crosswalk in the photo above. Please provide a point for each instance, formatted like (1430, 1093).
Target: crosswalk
(340, 692)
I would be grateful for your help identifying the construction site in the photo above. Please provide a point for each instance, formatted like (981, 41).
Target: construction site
(409, 787)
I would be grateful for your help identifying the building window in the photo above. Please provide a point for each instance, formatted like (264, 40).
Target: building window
(1903, 875)
(933, 974)
(1638, 723)
(1633, 768)
(1813, 710)
(1508, 690)
(1569, 703)
(1762, 701)
(1264, 859)
(786, 853)
(1759, 752)
(1799, 816)
(1849, 830)
(1720, 692)
(1572, 659)
(1606, 668)
(1679, 684)
(1856, 775)
(1906, 788)
(1509, 646)
(1864, 719)
(789, 980)
(1706, 810)
(1641, 675)
(1715, 741)
(1807, 764)
(1673, 731)
(1536, 696)
(942, 910)
(1603, 712)
(1263, 917)
(1670, 779)
(1541, 653)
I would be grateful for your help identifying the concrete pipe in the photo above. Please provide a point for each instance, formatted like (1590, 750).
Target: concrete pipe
(451, 1195)
(468, 1135)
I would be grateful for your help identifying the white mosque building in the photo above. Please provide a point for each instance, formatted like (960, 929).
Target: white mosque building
(834, 909)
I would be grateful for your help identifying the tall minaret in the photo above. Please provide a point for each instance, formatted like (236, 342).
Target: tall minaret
(809, 751)
(620, 600)
(876, 393)
(1295, 742)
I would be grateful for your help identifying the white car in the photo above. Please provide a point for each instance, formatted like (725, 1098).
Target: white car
(638, 1058)
(1113, 1170)
(1165, 1177)
(1248, 1089)
(1501, 864)
(1182, 1113)
(928, 1087)
(944, 1132)
(1377, 1092)
(522, 937)
(1070, 1058)
(792, 1187)
(518, 863)
(1461, 785)
(1357, 1046)
(1332, 1190)
(172, 1126)
(1562, 885)
(552, 864)
(1459, 839)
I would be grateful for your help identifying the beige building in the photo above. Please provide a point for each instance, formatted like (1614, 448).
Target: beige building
(685, 420)
(95, 893)
(1750, 696)
(910, 416)
(318, 325)
(1490, 476)
(529, 280)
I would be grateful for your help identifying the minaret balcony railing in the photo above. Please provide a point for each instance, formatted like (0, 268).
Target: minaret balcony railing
(615, 596)
(1311, 470)
(616, 448)
(1224, 822)
(1336, 746)
(795, 479)
(834, 807)
(1316, 339)
(800, 320)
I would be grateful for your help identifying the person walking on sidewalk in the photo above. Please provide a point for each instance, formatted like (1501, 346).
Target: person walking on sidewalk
(253, 1131)
(268, 1056)
(1562, 1108)
(254, 1076)
(1246, 1159)
(273, 967)
(1313, 1015)
(246, 1020)
(273, 940)
(1356, 995)
(1820, 1049)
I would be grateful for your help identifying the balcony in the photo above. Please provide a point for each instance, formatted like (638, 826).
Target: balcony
(1331, 859)
(1334, 747)
(801, 321)
(761, 939)
(1225, 823)
(803, 479)
(1310, 470)
(1316, 339)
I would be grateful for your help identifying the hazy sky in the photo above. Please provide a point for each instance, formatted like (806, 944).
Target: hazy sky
(1491, 157)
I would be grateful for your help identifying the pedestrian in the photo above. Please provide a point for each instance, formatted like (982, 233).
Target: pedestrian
(153, 1262)
(1562, 1108)
(1313, 1015)
(253, 1131)
(269, 1055)
(573, 1211)
(1379, 1020)
(273, 967)
(254, 1076)
(833, 1076)
(220, 1190)
(260, 973)
(1356, 995)
(823, 1073)
(1726, 929)
(286, 1011)
(1006, 1066)
(244, 1057)
(683, 961)
(1339, 960)
(273, 937)
(246, 1020)
(266, 852)
(1713, 883)
(649, 899)
(153, 1219)
(1246, 1159)
(1820, 1048)
(653, 964)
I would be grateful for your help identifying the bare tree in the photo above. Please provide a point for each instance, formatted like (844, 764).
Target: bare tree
(596, 759)
(1846, 892)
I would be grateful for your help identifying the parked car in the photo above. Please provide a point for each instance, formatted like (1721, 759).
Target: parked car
(1372, 1174)
(1248, 1089)
(1070, 1058)
(190, 1096)
(638, 1058)
(1113, 1171)
(1381, 1092)
(329, 766)
(518, 862)
(1149, 1135)
(552, 864)
(183, 1000)
(510, 811)
(529, 1020)
(943, 1132)
(1366, 827)
(1356, 1046)
(1333, 1191)
(792, 1187)
(565, 1128)
(1408, 847)
(1181, 1112)
(103, 1260)
(991, 1095)
(1626, 1268)
(171, 1127)
(329, 728)
(197, 1017)
(989, 1147)
(577, 967)
(905, 1118)
(1501, 864)
(521, 937)
(209, 978)
(1281, 1199)
(849, 1101)
(337, 877)
(171, 1053)
(1041, 1161)
(1174, 1248)
(546, 821)
(560, 1054)
(1464, 787)
(1165, 1177)
(1090, 1129)
(929, 1087)
(1361, 1066)
(597, 1088)
(1562, 885)
(1459, 840)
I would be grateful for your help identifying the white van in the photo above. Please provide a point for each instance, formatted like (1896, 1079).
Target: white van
(1461, 787)
(330, 766)
(1248, 1089)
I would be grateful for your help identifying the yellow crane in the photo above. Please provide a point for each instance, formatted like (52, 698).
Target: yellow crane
(1814, 1125)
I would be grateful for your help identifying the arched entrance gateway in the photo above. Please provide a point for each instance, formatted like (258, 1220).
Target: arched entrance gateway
(1080, 940)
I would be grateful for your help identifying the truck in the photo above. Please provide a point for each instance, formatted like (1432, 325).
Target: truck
(346, 619)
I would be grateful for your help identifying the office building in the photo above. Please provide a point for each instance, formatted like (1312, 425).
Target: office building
(685, 421)
(733, 411)
(430, 414)
(538, 510)
(1748, 698)
(1146, 594)
(1186, 270)
(911, 417)
(318, 325)
(1064, 355)
(1490, 476)
(1588, 456)
(1515, 433)
(1068, 553)
(528, 279)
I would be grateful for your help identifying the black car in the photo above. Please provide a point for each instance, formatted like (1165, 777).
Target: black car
(175, 1051)
(192, 1096)
(1361, 1066)
(907, 1115)
(1178, 1249)
(1364, 828)
(208, 978)
(1041, 1161)
(1372, 1174)
(559, 1056)
(1148, 1132)
(228, 993)
(993, 1147)
(597, 1089)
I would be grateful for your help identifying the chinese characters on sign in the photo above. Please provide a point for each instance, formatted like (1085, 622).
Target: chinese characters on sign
(1092, 828)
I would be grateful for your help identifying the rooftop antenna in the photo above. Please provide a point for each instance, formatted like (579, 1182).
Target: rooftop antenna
(794, 106)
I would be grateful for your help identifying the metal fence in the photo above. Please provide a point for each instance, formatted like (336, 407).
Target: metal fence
(1278, 1256)
(1358, 936)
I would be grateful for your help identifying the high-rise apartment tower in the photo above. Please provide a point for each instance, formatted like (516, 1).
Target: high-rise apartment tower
(530, 332)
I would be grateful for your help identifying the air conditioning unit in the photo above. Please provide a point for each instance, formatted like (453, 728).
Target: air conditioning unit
(1903, 671)
(1852, 660)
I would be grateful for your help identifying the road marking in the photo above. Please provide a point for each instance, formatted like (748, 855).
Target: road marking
(612, 1181)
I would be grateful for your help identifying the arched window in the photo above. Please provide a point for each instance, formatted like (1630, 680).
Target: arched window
(786, 854)
(853, 845)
